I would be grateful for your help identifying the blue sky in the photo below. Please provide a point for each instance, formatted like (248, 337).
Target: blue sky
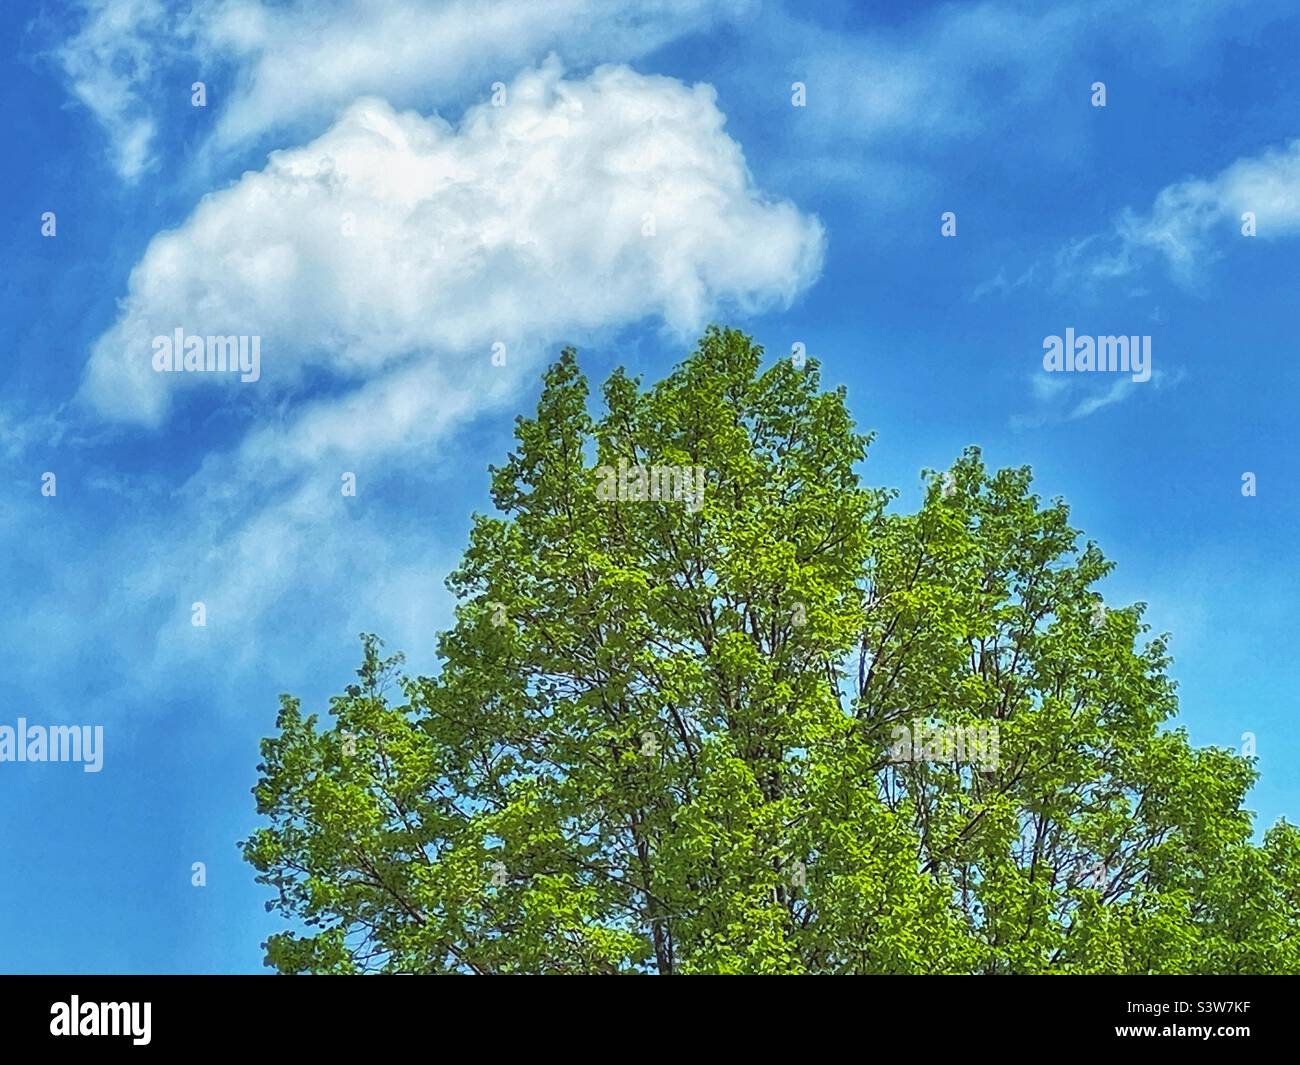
(350, 194)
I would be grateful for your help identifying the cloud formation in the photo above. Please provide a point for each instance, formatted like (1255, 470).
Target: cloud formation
(393, 236)
(282, 65)
(1191, 221)
(106, 64)
(380, 263)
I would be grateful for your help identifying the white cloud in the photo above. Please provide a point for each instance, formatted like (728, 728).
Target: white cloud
(1191, 221)
(1000, 284)
(1186, 216)
(106, 63)
(279, 65)
(524, 224)
(377, 346)
(1046, 387)
(1056, 395)
(1118, 392)
(935, 74)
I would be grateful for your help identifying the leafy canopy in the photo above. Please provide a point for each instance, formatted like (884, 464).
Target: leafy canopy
(660, 739)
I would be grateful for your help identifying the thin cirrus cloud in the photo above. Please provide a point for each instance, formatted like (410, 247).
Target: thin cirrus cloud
(1072, 397)
(1191, 222)
(285, 65)
(1186, 231)
(913, 85)
(107, 65)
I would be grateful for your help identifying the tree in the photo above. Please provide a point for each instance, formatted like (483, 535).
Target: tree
(667, 739)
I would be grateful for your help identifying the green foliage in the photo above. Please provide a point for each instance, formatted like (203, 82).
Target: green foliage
(659, 740)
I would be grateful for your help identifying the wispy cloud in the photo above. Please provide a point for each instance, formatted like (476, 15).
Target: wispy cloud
(297, 63)
(999, 284)
(1065, 397)
(1120, 390)
(1191, 222)
(109, 60)
(903, 88)
(380, 263)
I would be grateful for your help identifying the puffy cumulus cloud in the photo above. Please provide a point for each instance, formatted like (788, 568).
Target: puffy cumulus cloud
(576, 205)
(298, 62)
(525, 223)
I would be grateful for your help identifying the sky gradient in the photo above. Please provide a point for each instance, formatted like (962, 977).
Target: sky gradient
(385, 191)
